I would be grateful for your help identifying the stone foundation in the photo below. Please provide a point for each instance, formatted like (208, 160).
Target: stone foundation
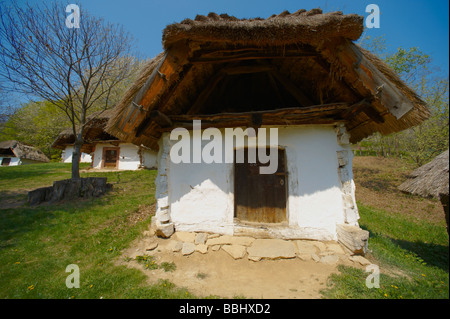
(254, 249)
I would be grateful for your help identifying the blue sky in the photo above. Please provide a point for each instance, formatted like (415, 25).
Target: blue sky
(414, 23)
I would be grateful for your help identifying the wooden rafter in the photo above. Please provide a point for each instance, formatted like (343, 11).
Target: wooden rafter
(365, 78)
(230, 55)
(364, 106)
(292, 89)
(203, 96)
(318, 114)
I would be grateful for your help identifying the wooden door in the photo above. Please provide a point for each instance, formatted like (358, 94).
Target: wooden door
(260, 197)
(110, 157)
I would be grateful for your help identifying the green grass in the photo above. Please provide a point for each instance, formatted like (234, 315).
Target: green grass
(413, 257)
(38, 243)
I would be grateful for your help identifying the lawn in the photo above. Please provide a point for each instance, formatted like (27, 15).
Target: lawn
(408, 239)
(38, 243)
(412, 257)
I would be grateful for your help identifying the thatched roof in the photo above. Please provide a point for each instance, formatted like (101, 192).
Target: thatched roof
(218, 64)
(21, 150)
(94, 132)
(429, 180)
(282, 29)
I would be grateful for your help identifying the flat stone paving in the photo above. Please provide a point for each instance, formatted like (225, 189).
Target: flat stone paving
(238, 247)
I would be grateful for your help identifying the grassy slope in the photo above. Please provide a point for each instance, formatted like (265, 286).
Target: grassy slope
(408, 239)
(37, 243)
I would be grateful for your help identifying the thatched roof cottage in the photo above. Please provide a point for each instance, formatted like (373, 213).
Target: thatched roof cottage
(298, 73)
(104, 150)
(431, 180)
(14, 153)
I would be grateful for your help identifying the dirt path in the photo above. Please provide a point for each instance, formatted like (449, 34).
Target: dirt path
(217, 273)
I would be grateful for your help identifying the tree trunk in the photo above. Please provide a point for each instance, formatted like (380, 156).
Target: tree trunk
(76, 156)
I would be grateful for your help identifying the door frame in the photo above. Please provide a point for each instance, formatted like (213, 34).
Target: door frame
(105, 149)
(286, 173)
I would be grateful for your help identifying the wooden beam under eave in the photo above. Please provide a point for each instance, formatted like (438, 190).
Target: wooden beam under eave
(364, 106)
(334, 108)
(365, 78)
(165, 74)
(142, 126)
(374, 115)
(246, 123)
(160, 118)
(243, 57)
(153, 139)
(318, 114)
(247, 69)
(355, 109)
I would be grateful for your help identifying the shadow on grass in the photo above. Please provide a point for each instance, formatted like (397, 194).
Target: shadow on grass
(432, 254)
(15, 223)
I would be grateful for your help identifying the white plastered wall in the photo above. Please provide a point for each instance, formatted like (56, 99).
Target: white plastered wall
(149, 158)
(199, 196)
(129, 157)
(66, 156)
(14, 161)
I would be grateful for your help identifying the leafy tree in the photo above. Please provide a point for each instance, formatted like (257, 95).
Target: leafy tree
(431, 138)
(423, 142)
(412, 65)
(71, 68)
(38, 124)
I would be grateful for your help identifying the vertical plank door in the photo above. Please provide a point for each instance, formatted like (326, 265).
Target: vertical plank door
(260, 197)
(110, 157)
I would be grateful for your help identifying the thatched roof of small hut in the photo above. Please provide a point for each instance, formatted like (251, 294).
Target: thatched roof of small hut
(429, 180)
(304, 62)
(21, 150)
(94, 132)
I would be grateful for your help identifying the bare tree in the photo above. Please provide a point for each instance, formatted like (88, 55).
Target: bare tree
(72, 68)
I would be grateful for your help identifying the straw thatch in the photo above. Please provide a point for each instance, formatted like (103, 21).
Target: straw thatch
(94, 132)
(298, 60)
(429, 180)
(286, 28)
(21, 150)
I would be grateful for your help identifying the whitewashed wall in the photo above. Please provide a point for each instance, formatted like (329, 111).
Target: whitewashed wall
(149, 159)
(200, 196)
(129, 158)
(66, 156)
(14, 161)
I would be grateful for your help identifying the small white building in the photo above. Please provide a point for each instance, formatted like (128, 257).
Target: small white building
(66, 156)
(125, 156)
(103, 150)
(13, 153)
(297, 73)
